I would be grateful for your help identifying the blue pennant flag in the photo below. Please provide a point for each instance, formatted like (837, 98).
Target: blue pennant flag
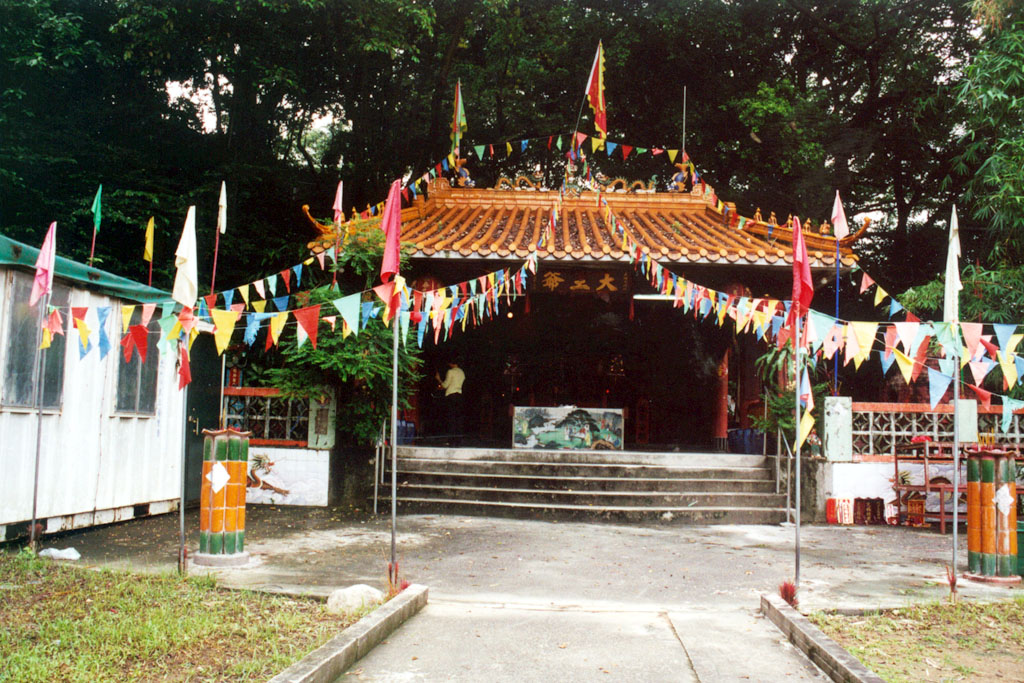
(886, 362)
(611, 147)
(937, 385)
(366, 310)
(444, 163)
(523, 147)
(298, 275)
(894, 307)
(229, 296)
(103, 312)
(281, 303)
(1003, 333)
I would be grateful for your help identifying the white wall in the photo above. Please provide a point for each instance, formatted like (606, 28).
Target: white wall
(91, 457)
(303, 472)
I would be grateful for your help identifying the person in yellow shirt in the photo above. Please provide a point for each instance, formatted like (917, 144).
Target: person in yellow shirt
(453, 405)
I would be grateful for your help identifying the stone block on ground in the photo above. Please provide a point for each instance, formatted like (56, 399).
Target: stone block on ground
(353, 598)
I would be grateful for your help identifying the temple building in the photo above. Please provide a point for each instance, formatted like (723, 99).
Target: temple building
(591, 331)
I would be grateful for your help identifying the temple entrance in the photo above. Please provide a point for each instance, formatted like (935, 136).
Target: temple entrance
(592, 350)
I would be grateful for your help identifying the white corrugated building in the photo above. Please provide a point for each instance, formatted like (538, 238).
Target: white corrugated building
(111, 430)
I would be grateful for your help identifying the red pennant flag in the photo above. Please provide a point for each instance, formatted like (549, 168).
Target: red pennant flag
(626, 149)
(309, 319)
(865, 282)
(140, 338)
(405, 193)
(391, 224)
(984, 397)
(657, 150)
(184, 371)
(491, 148)
(78, 313)
(992, 349)
(127, 344)
(595, 93)
(286, 275)
(803, 287)
(211, 301)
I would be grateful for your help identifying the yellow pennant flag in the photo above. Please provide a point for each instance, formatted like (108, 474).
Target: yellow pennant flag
(806, 425)
(595, 143)
(244, 292)
(224, 325)
(906, 364)
(1009, 367)
(45, 343)
(508, 148)
(277, 325)
(880, 294)
(192, 336)
(345, 329)
(126, 317)
(83, 333)
(1012, 342)
(865, 333)
(259, 306)
(672, 155)
(147, 253)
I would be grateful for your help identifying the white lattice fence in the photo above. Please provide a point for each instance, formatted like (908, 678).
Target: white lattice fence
(879, 427)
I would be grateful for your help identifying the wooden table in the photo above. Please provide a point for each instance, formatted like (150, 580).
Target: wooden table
(927, 453)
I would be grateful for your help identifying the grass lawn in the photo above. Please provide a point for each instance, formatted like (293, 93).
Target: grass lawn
(61, 622)
(937, 642)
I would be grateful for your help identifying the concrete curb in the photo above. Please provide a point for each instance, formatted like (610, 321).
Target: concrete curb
(333, 658)
(837, 663)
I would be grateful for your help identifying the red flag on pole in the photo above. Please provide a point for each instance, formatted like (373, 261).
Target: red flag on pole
(803, 287)
(391, 224)
(42, 284)
(595, 93)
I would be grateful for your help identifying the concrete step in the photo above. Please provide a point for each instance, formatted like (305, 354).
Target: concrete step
(541, 497)
(581, 469)
(584, 483)
(663, 459)
(610, 513)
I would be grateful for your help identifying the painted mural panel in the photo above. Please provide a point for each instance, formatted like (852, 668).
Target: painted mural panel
(567, 427)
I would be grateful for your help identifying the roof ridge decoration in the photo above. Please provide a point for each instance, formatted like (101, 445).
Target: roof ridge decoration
(493, 223)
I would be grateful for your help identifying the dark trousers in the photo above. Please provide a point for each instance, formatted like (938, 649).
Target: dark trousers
(453, 411)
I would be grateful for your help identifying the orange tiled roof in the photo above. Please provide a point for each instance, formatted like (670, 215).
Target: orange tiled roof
(671, 226)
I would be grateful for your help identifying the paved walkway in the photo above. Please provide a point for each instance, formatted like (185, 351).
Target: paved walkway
(527, 600)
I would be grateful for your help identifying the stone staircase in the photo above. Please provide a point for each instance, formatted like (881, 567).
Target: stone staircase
(679, 488)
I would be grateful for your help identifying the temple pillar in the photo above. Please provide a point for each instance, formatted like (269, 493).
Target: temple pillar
(721, 405)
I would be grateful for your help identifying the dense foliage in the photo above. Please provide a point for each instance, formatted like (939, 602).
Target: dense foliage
(357, 368)
(787, 101)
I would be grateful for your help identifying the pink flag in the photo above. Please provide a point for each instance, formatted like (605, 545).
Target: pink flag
(43, 284)
(840, 228)
(391, 224)
(803, 287)
(338, 213)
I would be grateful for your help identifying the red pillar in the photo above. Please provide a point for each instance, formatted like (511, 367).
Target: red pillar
(721, 419)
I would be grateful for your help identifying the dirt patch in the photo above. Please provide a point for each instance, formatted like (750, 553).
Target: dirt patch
(936, 642)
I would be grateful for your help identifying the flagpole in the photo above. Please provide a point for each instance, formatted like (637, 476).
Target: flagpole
(396, 324)
(37, 393)
(150, 283)
(92, 249)
(216, 248)
(684, 120)
(184, 461)
(835, 366)
(956, 441)
(796, 393)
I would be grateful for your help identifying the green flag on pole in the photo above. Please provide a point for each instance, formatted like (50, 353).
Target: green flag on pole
(96, 209)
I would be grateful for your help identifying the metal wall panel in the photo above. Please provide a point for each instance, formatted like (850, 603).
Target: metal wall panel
(92, 458)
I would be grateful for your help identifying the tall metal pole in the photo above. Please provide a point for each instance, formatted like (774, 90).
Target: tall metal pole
(395, 324)
(956, 440)
(796, 393)
(835, 366)
(37, 399)
(184, 462)
(684, 119)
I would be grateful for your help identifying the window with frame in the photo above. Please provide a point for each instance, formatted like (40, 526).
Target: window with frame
(136, 381)
(22, 345)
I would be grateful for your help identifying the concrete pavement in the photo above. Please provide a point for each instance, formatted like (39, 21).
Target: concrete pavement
(626, 602)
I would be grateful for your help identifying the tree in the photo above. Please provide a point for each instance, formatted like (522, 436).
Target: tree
(357, 368)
